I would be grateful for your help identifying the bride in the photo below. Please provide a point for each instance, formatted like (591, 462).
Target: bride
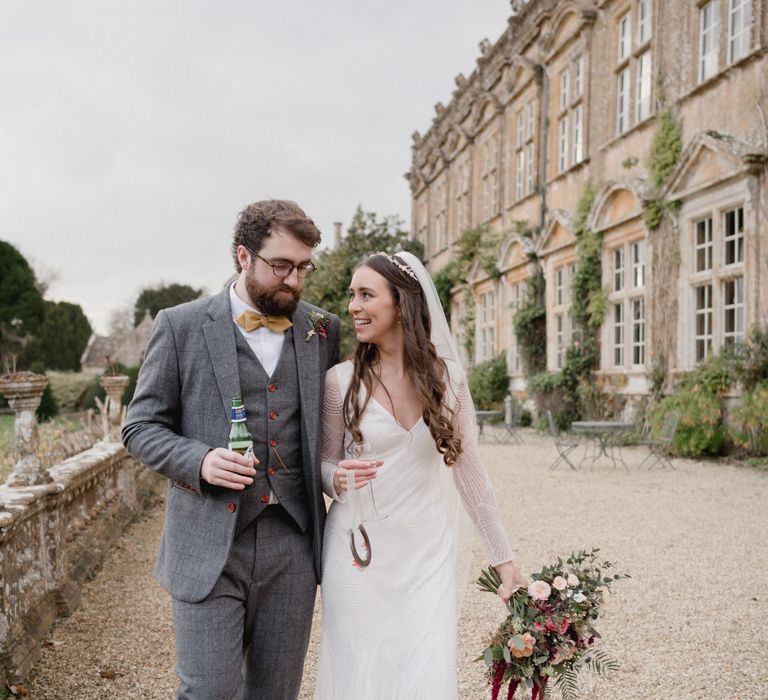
(399, 453)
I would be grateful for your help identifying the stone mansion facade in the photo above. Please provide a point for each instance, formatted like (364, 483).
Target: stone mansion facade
(569, 95)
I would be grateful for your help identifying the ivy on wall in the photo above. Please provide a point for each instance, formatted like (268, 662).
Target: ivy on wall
(481, 244)
(530, 324)
(664, 153)
(564, 392)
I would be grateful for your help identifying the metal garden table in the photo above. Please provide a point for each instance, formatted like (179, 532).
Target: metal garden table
(601, 432)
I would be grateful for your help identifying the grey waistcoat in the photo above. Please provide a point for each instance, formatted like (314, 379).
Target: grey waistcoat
(273, 410)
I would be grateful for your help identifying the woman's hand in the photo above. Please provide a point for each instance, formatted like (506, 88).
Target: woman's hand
(511, 580)
(365, 470)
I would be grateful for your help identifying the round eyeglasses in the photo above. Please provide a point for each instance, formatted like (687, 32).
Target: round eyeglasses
(284, 269)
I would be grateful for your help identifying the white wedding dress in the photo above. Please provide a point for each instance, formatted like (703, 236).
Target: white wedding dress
(389, 631)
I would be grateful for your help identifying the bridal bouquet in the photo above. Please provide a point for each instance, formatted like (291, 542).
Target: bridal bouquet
(549, 631)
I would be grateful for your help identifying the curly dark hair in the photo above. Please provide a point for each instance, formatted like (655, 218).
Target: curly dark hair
(258, 220)
(426, 370)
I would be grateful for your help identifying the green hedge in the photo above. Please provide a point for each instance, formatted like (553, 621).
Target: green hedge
(489, 383)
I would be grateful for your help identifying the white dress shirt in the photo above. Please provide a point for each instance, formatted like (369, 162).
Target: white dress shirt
(265, 343)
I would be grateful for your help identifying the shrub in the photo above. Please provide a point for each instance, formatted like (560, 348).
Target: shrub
(700, 429)
(47, 408)
(750, 421)
(68, 388)
(596, 404)
(751, 366)
(549, 392)
(88, 399)
(489, 383)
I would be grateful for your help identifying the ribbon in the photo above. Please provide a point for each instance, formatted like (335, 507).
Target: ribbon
(356, 522)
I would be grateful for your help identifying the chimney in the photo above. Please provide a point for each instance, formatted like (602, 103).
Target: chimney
(336, 234)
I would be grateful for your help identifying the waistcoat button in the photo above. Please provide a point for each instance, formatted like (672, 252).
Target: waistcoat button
(273, 414)
(271, 471)
(265, 498)
(231, 507)
(272, 388)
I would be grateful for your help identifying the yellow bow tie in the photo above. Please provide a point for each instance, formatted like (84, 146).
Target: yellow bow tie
(250, 321)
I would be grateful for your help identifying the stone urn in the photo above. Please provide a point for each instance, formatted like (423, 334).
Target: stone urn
(23, 391)
(114, 385)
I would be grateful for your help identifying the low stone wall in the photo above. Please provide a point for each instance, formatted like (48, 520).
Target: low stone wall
(54, 536)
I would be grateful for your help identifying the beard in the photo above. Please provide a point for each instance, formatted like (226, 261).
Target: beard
(268, 302)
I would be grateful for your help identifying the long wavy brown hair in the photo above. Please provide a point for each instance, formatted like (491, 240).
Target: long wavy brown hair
(425, 369)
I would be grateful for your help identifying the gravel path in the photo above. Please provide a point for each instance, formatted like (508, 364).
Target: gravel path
(689, 624)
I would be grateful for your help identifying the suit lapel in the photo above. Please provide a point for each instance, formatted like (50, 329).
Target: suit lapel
(308, 367)
(219, 336)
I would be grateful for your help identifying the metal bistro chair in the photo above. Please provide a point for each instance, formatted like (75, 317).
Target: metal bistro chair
(564, 446)
(658, 448)
(513, 416)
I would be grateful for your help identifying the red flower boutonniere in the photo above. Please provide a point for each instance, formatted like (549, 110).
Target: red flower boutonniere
(319, 324)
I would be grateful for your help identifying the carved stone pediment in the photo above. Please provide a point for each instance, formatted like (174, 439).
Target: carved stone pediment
(619, 201)
(707, 160)
(515, 251)
(570, 18)
(559, 237)
(558, 233)
(484, 109)
(454, 140)
(520, 72)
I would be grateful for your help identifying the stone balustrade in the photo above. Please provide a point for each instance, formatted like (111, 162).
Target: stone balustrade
(54, 535)
(24, 390)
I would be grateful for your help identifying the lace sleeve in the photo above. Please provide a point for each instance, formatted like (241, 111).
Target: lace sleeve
(332, 441)
(475, 487)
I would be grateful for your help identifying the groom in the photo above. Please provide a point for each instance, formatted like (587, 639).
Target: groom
(241, 547)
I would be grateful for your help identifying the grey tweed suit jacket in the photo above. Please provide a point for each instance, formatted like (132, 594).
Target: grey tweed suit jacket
(180, 411)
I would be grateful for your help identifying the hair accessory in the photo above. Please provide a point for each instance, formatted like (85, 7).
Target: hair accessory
(405, 268)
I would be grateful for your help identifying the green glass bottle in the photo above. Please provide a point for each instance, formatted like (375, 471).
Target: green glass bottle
(240, 440)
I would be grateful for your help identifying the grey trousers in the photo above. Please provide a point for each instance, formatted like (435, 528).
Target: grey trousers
(247, 640)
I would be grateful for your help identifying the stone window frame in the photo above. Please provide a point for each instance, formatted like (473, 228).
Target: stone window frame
(570, 115)
(725, 33)
(489, 175)
(458, 311)
(709, 285)
(486, 325)
(462, 218)
(562, 281)
(627, 290)
(709, 35)
(744, 33)
(517, 293)
(632, 52)
(525, 151)
(422, 223)
(637, 335)
(441, 213)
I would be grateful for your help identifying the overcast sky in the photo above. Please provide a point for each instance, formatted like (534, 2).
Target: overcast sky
(131, 133)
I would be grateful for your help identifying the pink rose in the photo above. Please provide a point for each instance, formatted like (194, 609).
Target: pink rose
(559, 583)
(539, 590)
(563, 654)
(564, 625)
(573, 580)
